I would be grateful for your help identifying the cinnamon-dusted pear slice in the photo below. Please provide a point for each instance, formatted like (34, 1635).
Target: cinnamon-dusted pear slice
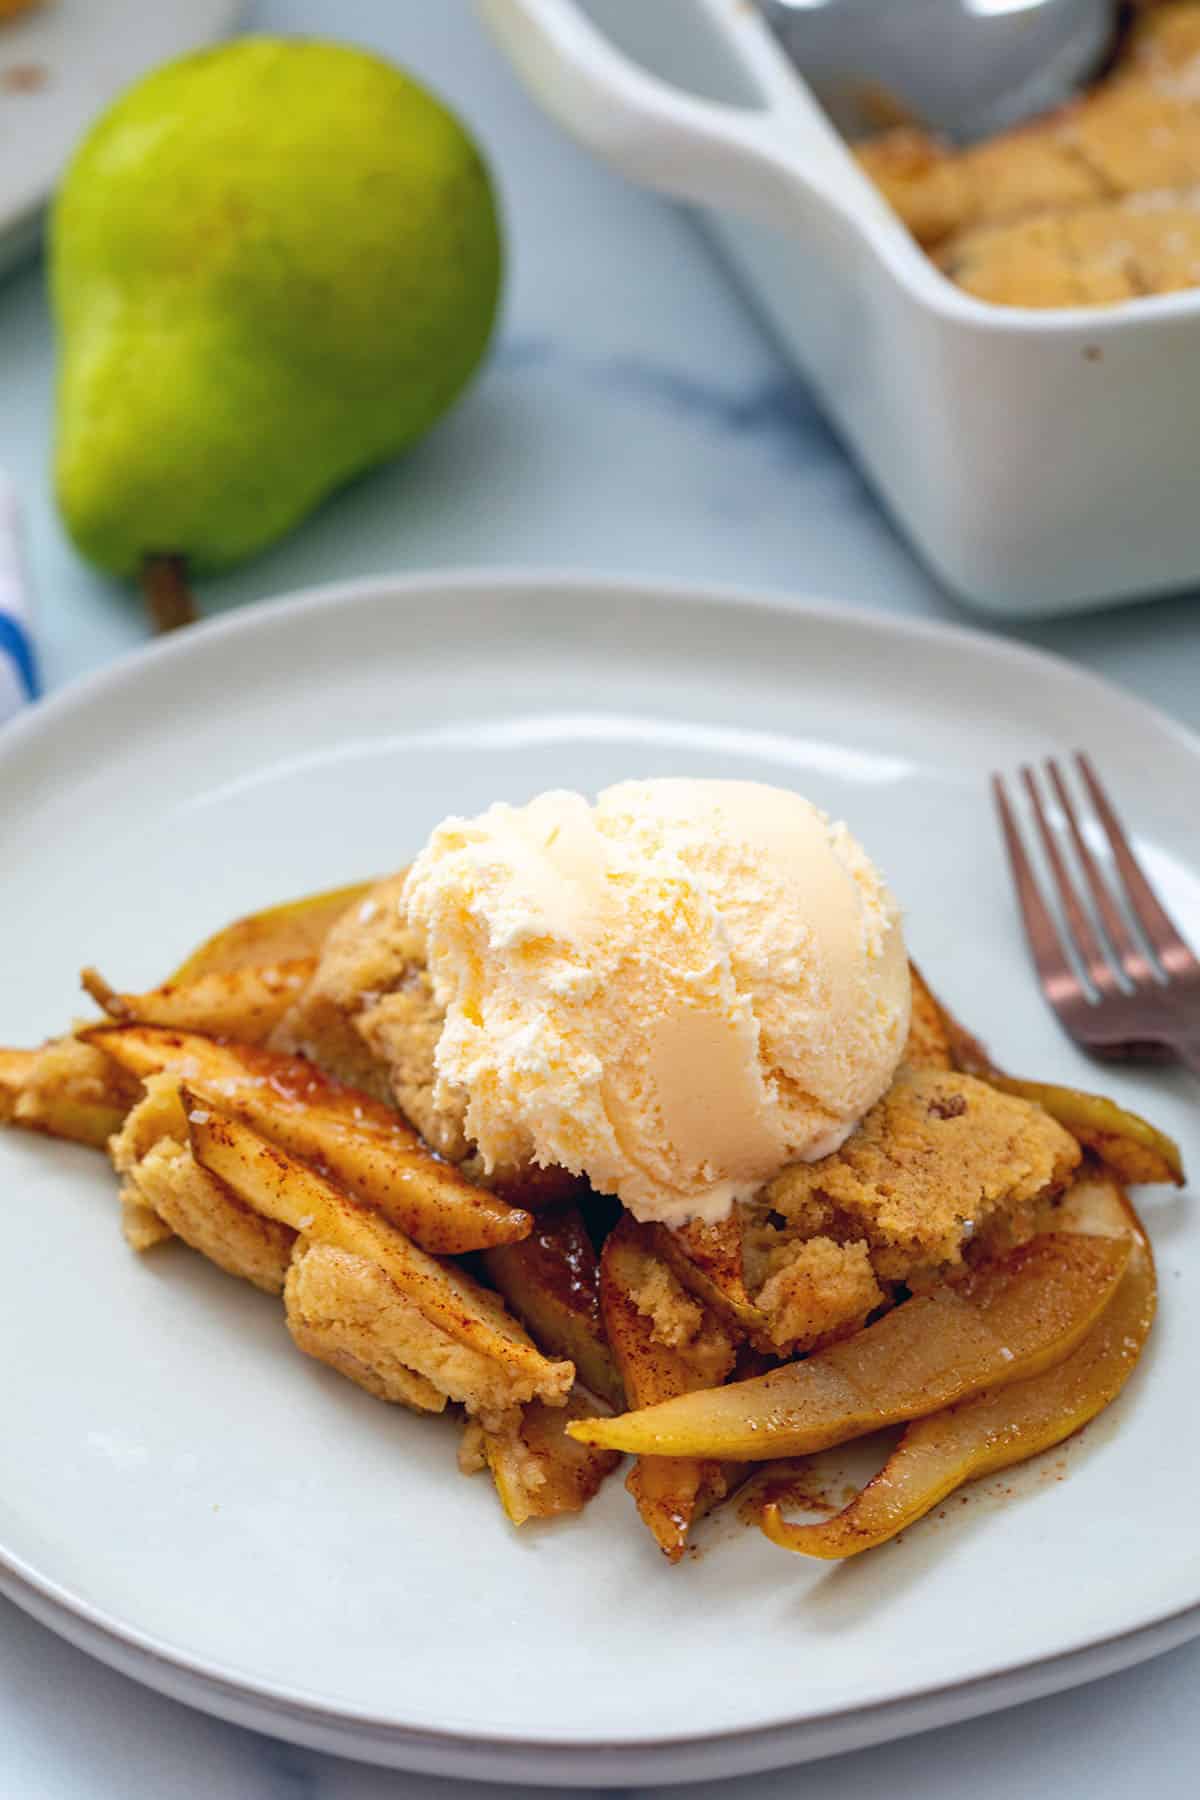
(65, 1089)
(551, 1281)
(665, 1343)
(65, 1103)
(280, 1187)
(540, 1472)
(297, 928)
(245, 1004)
(1006, 1320)
(996, 1429)
(364, 1145)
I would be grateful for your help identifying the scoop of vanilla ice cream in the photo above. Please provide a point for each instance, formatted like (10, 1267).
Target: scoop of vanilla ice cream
(675, 991)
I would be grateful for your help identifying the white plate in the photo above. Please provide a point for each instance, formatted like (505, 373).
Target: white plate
(58, 67)
(198, 1505)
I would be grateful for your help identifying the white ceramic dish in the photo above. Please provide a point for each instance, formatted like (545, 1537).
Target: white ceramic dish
(187, 1498)
(1034, 458)
(58, 67)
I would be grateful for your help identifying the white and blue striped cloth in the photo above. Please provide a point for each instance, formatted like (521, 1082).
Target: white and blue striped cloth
(18, 667)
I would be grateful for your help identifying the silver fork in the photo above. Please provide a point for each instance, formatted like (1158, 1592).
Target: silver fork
(1109, 995)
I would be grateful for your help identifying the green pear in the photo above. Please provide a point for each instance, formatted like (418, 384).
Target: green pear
(273, 265)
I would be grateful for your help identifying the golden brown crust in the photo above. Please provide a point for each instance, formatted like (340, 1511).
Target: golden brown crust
(1091, 205)
(674, 1317)
(344, 1311)
(923, 179)
(347, 1310)
(203, 1212)
(162, 1177)
(401, 1031)
(369, 1017)
(817, 1290)
(942, 1169)
(1149, 244)
(664, 1339)
(159, 1114)
(141, 1226)
(932, 1168)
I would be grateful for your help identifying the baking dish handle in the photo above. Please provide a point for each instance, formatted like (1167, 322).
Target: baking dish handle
(775, 163)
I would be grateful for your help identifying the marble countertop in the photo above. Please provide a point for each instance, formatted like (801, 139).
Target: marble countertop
(635, 417)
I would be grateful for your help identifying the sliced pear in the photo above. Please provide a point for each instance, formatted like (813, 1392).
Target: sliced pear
(682, 1350)
(540, 1472)
(245, 1004)
(668, 1491)
(1007, 1320)
(344, 1311)
(996, 1429)
(364, 1145)
(280, 1187)
(297, 928)
(551, 1281)
(206, 1215)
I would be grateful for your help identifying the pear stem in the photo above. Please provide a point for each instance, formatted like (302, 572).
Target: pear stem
(166, 592)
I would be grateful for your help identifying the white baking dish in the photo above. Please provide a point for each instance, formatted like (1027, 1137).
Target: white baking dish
(1040, 461)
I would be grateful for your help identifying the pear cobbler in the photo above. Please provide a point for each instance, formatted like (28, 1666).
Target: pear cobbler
(626, 1127)
(1095, 203)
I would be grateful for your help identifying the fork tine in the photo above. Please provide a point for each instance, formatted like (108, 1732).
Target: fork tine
(1175, 955)
(1060, 983)
(1079, 927)
(1120, 937)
